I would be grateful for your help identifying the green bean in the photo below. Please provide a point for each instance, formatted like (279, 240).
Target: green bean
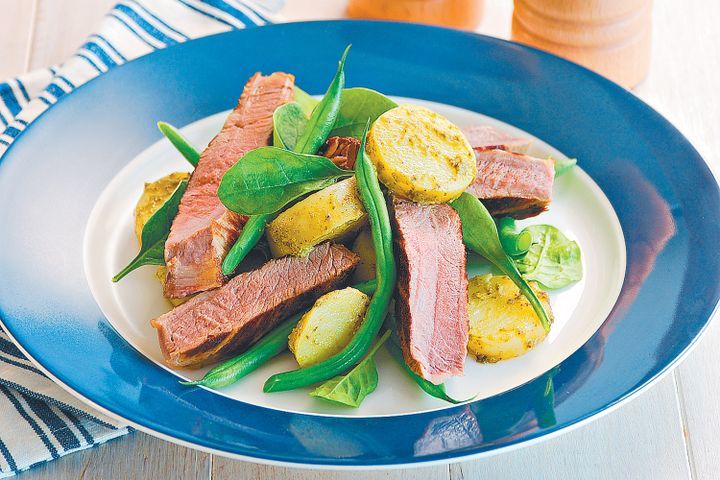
(480, 235)
(322, 119)
(233, 370)
(368, 287)
(251, 233)
(515, 244)
(180, 143)
(268, 347)
(385, 274)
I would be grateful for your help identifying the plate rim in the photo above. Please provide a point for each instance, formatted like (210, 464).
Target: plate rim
(515, 445)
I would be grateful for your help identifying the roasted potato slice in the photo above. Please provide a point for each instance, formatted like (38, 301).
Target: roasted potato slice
(363, 246)
(333, 213)
(420, 155)
(328, 326)
(503, 325)
(153, 196)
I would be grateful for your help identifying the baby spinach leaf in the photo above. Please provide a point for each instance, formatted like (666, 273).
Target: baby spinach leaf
(481, 236)
(352, 388)
(563, 165)
(180, 143)
(306, 102)
(553, 260)
(324, 114)
(154, 234)
(266, 179)
(437, 391)
(358, 106)
(289, 121)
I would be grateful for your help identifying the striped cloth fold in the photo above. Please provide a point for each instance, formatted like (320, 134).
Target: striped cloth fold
(39, 421)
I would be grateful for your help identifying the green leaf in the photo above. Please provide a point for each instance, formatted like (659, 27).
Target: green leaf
(306, 102)
(563, 165)
(437, 391)
(323, 116)
(289, 121)
(154, 234)
(480, 235)
(180, 143)
(268, 178)
(358, 106)
(352, 388)
(553, 260)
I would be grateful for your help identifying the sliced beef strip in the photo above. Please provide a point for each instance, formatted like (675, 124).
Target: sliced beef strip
(224, 322)
(432, 300)
(204, 230)
(485, 137)
(342, 151)
(512, 184)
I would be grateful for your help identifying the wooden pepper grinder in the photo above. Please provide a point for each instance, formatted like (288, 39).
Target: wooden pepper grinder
(611, 37)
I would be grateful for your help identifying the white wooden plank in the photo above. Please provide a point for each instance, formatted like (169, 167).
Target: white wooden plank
(15, 32)
(300, 10)
(496, 19)
(683, 86)
(699, 384)
(61, 27)
(135, 456)
(642, 440)
(225, 469)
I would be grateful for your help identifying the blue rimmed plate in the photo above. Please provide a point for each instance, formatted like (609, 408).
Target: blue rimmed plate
(61, 200)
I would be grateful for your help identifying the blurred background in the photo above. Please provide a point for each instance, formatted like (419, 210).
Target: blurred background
(612, 37)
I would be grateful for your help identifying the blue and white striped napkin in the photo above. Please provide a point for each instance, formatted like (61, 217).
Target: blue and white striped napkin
(38, 420)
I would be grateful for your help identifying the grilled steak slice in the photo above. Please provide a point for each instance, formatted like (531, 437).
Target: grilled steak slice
(204, 230)
(221, 323)
(342, 151)
(485, 137)
(512, 184)
(432, 301)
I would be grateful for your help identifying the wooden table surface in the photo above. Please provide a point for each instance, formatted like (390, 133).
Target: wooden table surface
(667, 432)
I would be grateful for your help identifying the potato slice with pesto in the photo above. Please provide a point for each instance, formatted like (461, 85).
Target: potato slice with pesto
(153, 196)
(503, 325)
(421, 155)
(328, 326)
(333, 213)
(363, 246)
